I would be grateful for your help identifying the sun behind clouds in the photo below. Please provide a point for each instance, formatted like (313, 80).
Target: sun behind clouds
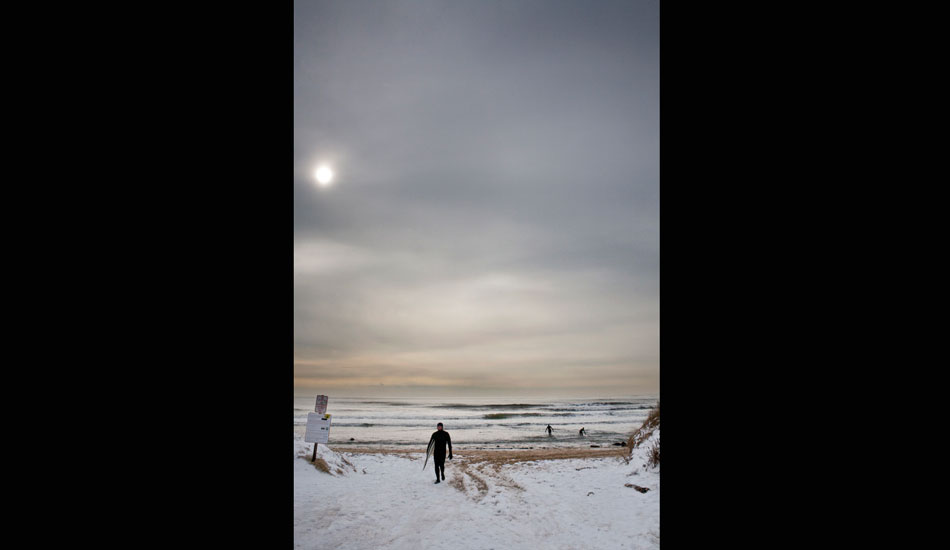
(323, 175)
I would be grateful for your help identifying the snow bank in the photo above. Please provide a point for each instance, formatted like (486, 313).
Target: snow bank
(328, 461)
(639, 460)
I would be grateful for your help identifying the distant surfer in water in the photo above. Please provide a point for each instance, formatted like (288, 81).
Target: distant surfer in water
(437, 448)
(582, 432)
(549, 429)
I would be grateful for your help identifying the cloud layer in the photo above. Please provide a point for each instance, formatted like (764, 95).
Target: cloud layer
(494, 221)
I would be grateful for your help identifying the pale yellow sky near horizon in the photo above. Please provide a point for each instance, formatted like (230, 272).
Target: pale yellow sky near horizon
(617, 380)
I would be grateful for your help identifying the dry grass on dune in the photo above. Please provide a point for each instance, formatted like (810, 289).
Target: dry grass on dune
(653, 457)
(646, 430)
(321, 465)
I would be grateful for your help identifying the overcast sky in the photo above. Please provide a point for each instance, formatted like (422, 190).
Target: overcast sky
(493, 224)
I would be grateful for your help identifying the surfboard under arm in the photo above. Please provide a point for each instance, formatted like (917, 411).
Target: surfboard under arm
(428, 451)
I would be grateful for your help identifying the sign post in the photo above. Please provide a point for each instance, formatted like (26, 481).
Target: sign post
(318, 425)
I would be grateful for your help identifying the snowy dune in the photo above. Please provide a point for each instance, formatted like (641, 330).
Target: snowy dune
(376, 500)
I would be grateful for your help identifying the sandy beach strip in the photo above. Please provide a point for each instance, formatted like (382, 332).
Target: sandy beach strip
(501, 456)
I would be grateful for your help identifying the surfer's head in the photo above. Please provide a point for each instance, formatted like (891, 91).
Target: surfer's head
(438, 426)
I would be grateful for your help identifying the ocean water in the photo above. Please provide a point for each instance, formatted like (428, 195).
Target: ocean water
(477, 423)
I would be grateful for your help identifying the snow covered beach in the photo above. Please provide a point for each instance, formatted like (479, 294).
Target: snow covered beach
(526, 499)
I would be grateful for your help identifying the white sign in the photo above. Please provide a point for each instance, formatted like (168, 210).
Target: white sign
(318, 428)
(321, 404)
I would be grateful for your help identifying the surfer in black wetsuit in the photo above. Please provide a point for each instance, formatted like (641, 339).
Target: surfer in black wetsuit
(549, 429)
(582, 432)
(437, 444)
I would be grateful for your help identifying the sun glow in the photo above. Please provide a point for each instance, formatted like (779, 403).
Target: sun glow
(324, 175)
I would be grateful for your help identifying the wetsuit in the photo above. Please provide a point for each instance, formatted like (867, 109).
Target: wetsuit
(549, 430)
(441, 437)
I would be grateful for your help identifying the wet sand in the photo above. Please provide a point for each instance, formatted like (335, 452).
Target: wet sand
(502, 456)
